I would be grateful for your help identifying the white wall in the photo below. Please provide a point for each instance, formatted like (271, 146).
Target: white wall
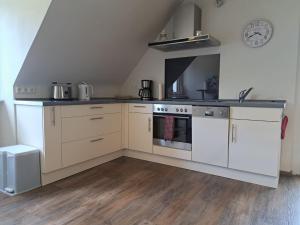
(95, 41)
(271, 70)
(296, 146)
(19, 23)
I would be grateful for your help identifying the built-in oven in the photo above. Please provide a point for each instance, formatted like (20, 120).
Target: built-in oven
(175, 123)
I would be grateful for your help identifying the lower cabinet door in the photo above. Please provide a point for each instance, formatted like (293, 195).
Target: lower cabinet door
(255, 146)
(51, 156)
(210, 141)
(140, 132)
(83, 150)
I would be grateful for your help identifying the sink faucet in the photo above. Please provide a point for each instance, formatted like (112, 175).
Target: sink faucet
(243, 94)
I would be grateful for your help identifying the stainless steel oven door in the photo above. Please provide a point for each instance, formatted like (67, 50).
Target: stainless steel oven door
(182, 131)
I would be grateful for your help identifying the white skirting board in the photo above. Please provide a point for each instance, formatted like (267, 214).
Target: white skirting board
(199, 167)
(69, 171)
(205, 168)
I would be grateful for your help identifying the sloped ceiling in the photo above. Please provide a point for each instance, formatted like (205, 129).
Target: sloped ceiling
(99, 41)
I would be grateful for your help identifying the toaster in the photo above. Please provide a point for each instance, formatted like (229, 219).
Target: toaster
(61, 91)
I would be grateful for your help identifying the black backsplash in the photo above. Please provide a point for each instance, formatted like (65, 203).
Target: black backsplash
(192, 77)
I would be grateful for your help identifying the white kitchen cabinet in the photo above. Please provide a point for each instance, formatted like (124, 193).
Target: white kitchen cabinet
(83, 150)
(210, 141)
(76, 128)
(140, 131)
(51, 157)
(125, 125)
(75, 138)
(90, 131)
(41, 127)
(67, 135)
(255, 145)
(89, 110)
(140, 108)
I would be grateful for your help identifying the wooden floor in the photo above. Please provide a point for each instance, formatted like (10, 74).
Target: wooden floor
(134, 192)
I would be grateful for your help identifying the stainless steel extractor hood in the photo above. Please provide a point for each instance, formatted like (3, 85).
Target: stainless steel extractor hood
(183, 31)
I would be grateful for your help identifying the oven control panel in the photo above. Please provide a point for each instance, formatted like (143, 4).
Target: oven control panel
(172, 109)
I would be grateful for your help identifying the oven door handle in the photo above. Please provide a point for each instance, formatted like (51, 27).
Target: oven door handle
(176, 117)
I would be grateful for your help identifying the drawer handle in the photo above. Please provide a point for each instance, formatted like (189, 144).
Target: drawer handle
(97, 118)
(96, 140)
(96, 107)
(139, 106)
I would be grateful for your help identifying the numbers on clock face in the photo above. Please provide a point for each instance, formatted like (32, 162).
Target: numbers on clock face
(257, 33)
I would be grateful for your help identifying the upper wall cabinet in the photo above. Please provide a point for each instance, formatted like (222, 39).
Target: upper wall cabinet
(183, 31)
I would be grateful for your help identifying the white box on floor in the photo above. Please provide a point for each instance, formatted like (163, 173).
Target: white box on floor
(21, 169)
(2, 170)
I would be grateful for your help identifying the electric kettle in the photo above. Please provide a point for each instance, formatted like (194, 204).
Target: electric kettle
(85, 91)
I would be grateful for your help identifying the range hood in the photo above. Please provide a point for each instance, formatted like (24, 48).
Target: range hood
(183, 31)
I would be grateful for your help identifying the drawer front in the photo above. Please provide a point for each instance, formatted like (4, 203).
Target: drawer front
(76, 128)
(83, 150)
(140, 108)
(259, 114)
(86, 110)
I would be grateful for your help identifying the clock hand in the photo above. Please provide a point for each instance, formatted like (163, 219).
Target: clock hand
(255, 33)
(252, 35)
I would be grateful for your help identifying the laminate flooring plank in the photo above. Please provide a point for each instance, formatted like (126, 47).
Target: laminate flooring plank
(129, 191)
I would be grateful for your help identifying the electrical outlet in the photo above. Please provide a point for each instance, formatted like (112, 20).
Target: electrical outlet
(18, 90)
(22, 90)
(31, 90)
(25, 90)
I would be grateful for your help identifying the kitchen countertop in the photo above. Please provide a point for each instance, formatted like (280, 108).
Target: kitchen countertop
(222, 102)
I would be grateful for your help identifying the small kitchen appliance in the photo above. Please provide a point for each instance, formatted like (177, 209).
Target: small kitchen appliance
(181, 117)
(145, 92)
(85, 91)
(61, 91)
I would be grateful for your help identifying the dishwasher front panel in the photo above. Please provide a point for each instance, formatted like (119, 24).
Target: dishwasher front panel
(210, 140)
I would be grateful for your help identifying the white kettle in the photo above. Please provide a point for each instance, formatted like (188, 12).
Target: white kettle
(85, 91)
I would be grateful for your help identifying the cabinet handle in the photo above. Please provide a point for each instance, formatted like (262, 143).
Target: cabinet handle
(176, 117)
(97, 118)
(139, 106)
(96, 107)
(96, 140)
(233, 134)
(149, 124)
(53, 116)
(232, 128)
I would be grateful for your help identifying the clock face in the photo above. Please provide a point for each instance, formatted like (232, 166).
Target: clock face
(258, 33)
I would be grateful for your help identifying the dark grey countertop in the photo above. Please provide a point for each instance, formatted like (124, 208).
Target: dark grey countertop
(222, 102)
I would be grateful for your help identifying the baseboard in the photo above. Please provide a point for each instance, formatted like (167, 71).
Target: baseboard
(205, 168)
(286, 173)
(69, 171)
(190, 165)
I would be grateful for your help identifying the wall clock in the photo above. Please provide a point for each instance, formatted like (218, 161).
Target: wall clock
(257, 33)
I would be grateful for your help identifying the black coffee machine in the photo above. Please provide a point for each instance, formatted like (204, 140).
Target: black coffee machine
(145, 92)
